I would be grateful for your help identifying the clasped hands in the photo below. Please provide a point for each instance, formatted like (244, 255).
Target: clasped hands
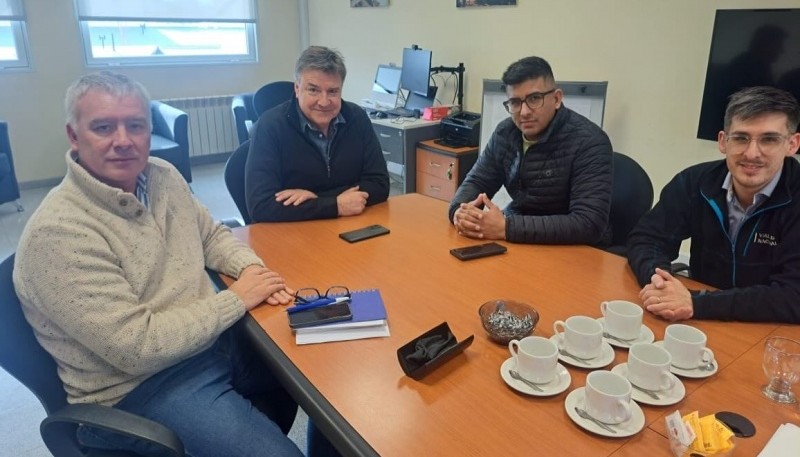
(480, 219)
(349, 203)
(667, 297)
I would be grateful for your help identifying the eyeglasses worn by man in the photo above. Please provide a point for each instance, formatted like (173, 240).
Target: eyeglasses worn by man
(555, 164)
(742, 215)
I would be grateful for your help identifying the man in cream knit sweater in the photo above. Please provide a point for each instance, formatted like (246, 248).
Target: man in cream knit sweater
(110, 272)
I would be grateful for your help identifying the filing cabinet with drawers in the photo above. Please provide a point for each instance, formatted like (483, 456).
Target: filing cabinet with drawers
(440, 169)
(398, 142)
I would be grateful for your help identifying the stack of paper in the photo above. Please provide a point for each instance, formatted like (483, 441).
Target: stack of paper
(369, 321)
(784, 443)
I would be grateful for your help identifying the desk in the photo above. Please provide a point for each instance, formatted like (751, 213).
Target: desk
(358, 394)
(399, 138)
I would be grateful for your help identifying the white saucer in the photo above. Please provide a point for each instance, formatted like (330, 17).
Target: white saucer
(645, 336)
(668, 397)
(691, 373)
(556, 386)
(606, 356)
(630, 427)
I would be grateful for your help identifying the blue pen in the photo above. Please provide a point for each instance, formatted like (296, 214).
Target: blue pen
(316, 304)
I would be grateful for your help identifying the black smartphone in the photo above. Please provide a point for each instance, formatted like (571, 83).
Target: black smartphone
(321, 315)
(364, 233)
(478, 251)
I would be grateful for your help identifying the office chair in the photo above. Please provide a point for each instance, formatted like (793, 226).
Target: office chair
(244, 114)
(170, 137)
(272, 95)
(26, 360)
(234, 179)
(9, 188)
(631, 197)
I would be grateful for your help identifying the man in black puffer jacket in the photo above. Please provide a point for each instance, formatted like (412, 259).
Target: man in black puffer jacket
(555, 164)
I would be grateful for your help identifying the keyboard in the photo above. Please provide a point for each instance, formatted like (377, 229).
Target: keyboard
(400, 112)
(373, 105)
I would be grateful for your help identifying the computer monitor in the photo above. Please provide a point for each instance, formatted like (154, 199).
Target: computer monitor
(416, 70)
(386, 85)
(420, 101)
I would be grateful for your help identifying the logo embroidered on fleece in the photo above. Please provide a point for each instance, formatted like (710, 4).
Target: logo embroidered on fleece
(765, 238)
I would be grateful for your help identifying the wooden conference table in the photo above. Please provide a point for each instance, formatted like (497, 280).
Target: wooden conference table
(357, 393)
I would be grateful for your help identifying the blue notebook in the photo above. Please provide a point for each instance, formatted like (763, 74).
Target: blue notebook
(367, 305)
(369, 320)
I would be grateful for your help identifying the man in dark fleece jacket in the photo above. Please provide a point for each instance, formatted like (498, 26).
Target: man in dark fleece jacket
(555, 164)
(316, 156)
(742, 215)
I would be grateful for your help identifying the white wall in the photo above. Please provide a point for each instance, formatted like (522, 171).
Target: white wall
(32, 101)
(652, 53)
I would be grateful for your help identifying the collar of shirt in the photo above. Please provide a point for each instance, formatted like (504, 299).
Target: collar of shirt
(141, 190)
(318, 138)
(759, 197)
(736, 212)
(314, 132)
(526, 143)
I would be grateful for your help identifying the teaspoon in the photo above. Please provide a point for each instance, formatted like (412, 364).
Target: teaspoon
(582, 360)
(530, 384)
(587, 416)
(618, 339)
(647, 392)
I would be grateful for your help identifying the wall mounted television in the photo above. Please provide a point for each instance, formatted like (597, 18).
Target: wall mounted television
(749, 47)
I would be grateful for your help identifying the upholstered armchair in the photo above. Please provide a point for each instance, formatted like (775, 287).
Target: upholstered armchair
(170, 137)
(244, 115)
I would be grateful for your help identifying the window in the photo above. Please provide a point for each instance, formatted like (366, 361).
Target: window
(13, 39)
(148, 32)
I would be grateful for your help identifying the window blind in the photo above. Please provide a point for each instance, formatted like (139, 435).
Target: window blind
(166, 10)
(11, 10)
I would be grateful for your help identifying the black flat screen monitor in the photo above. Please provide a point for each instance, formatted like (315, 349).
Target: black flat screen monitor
(416, 70)
(749, 48)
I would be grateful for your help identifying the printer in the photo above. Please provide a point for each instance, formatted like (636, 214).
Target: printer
(461, 129)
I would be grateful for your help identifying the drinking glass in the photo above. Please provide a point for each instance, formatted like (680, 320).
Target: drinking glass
(782, 367)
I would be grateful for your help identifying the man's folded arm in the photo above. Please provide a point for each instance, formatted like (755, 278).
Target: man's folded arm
(263, 180)
(125, 332)
(778, 301)
(656, 240)
(486, 176)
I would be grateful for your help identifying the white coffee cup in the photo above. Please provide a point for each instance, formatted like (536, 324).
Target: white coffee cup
(608, 397)
(536, 358)
(580, 335)
(648, 367)
(687, 346)
(623, 319)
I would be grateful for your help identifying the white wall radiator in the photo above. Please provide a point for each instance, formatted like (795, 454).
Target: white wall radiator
(211, 126)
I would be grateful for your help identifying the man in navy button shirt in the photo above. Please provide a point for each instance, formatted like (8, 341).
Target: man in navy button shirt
(315, 156)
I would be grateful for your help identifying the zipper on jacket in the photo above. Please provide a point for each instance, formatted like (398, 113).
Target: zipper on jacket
(748, 240)
(724, 227)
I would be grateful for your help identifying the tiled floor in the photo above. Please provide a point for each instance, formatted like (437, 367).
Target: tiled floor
(20, 411)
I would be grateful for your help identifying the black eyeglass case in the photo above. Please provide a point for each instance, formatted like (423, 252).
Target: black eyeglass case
(430, 350)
